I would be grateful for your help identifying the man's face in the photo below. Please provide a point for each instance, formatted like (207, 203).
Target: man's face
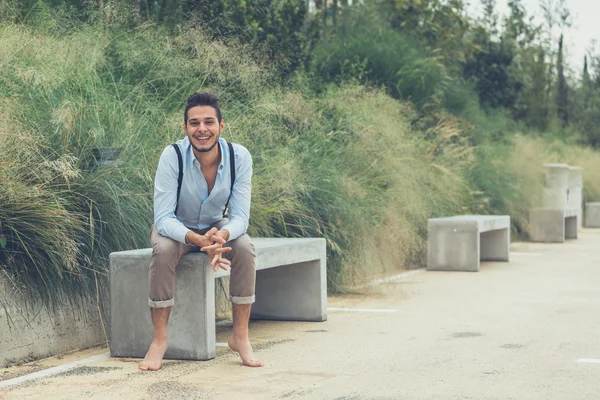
(202, 128)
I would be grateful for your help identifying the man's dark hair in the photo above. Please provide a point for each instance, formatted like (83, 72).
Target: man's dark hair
(202, 99)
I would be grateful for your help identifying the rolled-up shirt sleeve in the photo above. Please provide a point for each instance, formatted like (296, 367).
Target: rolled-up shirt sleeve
(239, 204)
(165, 197)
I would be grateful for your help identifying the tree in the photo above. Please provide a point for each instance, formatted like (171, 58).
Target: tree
(562, 100)
(489, 68)
(441, 25)
(518, 28)
(490, 18)
(586, 84)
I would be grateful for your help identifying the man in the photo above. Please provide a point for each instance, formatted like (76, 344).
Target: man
(193, 220)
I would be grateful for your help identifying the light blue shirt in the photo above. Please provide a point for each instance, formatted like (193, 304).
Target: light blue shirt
(197, 209)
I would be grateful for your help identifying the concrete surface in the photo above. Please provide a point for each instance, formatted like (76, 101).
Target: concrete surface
(553, 226)
(291, 284)
(516, 332)
(563, 192)
(459, 243)
(556, 188)
(576, 193)
(592, 215)
(29, 332)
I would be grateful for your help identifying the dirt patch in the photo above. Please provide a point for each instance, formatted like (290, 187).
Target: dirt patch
(466, 334)
(175, 390)
(85, 370)
(10, 374)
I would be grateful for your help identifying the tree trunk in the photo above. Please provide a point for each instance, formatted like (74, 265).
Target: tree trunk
(335, 8)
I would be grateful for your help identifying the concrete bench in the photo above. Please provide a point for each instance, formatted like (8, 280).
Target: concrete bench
(553, 225)
(291, 285)
(592, 215)
(459, 243)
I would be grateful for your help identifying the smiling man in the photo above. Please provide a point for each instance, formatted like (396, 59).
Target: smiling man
(189, 215)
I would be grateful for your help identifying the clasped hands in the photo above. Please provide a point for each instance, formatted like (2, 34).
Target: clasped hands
(212, 243)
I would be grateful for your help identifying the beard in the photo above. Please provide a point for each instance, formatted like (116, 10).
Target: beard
(205, 150)
(209, 148)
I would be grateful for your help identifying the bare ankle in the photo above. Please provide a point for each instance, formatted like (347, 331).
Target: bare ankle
(240, 335)
(162, 341)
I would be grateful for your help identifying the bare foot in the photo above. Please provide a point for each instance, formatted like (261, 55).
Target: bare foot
(244, 349)
(153, 359)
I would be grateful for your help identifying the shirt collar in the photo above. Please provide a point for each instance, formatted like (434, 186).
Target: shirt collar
(224, 153)
(223, 146)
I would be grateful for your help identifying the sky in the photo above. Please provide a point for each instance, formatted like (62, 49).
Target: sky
(586, 25)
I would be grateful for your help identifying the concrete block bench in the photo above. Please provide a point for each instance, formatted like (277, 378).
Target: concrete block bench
(291, 285)
(592, 215)
(553, 225)
(459, 243)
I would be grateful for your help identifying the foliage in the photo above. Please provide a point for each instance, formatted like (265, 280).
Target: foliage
(407, 110)
(328, 165)
(364, 49)
(489, 68)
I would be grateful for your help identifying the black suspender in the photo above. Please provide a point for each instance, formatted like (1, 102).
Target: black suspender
(180, 176)
(232, 169)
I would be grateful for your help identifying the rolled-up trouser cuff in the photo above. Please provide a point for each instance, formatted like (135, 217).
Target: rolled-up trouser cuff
(242, 300)
(161, 304)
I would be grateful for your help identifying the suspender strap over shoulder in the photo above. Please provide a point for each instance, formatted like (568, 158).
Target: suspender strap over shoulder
(232, 169)
(180, 176)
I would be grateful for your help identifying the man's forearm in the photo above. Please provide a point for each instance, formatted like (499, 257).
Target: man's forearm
(195, 239)
(235, 228)
(190, 238)
(172, 228)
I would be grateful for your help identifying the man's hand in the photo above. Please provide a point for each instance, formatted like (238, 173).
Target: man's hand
(209, 238)
(223, 234)
(215, 251)
(212, 243)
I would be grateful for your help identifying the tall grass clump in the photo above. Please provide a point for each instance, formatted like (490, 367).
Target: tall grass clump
(383, 180)
(348, 166)
(538, 150)
(508, 177)
(41, 228)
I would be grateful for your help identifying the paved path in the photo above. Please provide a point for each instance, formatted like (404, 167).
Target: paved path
(529, 329)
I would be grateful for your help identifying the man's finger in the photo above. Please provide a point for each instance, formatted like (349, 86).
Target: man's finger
(212, 247)
(225, 261)
(223, 266)
(214, 262)
(211, 232)
(222, 250)
(217, 239)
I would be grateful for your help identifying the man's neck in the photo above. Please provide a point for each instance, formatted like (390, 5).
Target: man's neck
(210, 158)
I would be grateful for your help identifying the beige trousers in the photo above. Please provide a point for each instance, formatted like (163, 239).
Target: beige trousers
(167, 252)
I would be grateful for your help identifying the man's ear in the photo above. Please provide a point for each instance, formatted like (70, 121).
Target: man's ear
(222, 124)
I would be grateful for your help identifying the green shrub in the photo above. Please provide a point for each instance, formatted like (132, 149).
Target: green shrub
(366, 49)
